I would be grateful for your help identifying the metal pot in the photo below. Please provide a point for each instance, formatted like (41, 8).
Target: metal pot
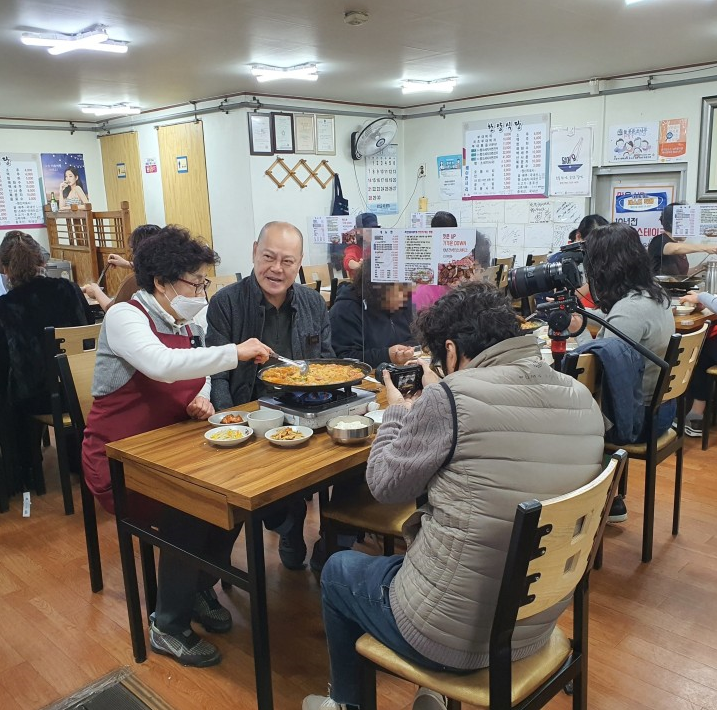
(711, 277)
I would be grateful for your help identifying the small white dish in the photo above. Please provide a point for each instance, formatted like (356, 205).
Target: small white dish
(222, 436)
(684, 309)
(305, 431)
(216, 419)
(376, 415)
(264, 419)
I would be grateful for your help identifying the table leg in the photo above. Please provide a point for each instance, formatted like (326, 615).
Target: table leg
(259, 617)
(129, 570)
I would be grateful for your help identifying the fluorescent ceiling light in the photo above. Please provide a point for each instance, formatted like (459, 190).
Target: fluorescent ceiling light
(95, 38)
(631, 2)
(444, 85)
(304, 72)
(103, 110)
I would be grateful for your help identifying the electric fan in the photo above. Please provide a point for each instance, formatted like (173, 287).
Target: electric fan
(373, 137)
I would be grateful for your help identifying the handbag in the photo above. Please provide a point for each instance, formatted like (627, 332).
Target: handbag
(340, 204)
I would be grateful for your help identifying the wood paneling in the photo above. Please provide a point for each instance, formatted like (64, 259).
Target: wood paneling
(186, 196)
(123, 148)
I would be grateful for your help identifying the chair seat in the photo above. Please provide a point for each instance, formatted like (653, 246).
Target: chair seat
(712, 370)
(47, 419)
(472, 688)
(366, 513)
(641, 449)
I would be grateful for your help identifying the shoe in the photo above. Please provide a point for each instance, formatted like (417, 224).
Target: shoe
(321, 702)
(210, 613)
(426, 699)
(187, 648)
(618, 511)
(319, 555)
(693, 427)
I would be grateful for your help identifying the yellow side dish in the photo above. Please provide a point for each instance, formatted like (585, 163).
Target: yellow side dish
(228, 435)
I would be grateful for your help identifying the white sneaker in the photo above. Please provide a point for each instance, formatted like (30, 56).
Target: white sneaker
(426, 699)
(321, 702)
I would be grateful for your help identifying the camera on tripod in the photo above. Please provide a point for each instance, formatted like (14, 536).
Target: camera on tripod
(564, 274)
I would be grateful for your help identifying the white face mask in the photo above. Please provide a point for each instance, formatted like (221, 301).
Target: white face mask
(186, 307)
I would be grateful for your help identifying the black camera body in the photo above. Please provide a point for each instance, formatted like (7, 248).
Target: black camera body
(564, 274)
(406, 378)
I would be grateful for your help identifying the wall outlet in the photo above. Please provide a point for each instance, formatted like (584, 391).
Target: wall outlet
(422, 170)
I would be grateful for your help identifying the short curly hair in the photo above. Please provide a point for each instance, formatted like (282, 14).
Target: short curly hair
(169, 254)
(474, 315)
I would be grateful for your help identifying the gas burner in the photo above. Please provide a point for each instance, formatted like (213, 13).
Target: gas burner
(309, 398)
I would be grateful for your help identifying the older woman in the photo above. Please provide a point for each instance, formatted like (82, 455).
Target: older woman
(151, 371)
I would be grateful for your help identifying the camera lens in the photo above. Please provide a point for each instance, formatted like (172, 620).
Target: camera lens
(527, 280)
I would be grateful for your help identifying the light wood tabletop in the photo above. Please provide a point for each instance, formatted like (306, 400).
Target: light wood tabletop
(694, 321)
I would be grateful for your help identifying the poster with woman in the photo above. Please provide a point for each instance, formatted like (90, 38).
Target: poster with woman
(64, 178)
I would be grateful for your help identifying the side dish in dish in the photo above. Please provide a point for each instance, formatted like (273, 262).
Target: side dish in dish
(318, 374)
(232, 419)
(287, 434)
(228, 435)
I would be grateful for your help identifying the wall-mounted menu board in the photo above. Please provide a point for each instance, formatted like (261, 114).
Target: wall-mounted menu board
(506, 158)
(20, 193)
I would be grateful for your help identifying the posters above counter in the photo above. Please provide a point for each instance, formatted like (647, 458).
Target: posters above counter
(571, 161)
(21, 203)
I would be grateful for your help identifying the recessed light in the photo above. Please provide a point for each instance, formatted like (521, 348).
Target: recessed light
(411, 86)
(94, 38)
(104, 110)
(304, 72)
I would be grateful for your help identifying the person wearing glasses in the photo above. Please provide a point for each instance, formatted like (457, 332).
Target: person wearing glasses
(293, 321)
(499, 428)
(152, 371)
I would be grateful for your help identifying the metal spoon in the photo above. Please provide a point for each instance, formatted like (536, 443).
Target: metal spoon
(301, 364)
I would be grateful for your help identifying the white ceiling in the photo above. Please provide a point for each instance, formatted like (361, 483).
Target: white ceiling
(184, 50)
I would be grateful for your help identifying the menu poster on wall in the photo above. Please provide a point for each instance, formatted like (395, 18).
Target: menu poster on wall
(421, 220)
(695, 221)
(330, 230)
(504, 159)
(64, 174)
(571, 161)
(632, 143)
(672, 145)
(422, 256)
(20, 192)
(450, 186)
(382, 181)
(641, 207)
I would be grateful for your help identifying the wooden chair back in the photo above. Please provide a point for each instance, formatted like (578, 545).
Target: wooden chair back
(534, 259)
(316, 285)
(318, 272)
(76, 375)
(110, 233)
(492, 275)
(585, 368)
(686, 349)
(508, 262)
(218, 283)
(503, 278)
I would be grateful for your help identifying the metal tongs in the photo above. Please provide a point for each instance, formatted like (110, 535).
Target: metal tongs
(301, 364)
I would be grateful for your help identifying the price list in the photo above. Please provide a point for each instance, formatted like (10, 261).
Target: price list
(20, 196)
(385, 255)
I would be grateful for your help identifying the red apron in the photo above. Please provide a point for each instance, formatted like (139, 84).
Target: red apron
(140, 405)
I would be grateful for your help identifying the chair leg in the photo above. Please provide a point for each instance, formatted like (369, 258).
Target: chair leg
(598, 557)
(453, 704)
(368, 685)
(45, 438)
(678, 491)
(622, 486)
(649, 517)
(89, 515)
(63, 465)
(38, 475)
(707, 416)
(149, 575)
(388, 545)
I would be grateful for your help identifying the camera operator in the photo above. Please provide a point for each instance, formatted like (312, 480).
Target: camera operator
(495, 425)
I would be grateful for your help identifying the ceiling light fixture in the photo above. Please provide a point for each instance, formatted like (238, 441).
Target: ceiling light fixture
(95, 38)
(104, 110)
(304, 72)
(631, 2)
(411, 86)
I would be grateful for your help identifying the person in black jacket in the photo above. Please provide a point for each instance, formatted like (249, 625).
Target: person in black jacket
(33, 303)
(372, 321)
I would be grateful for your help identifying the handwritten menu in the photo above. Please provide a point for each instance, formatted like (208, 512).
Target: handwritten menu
(506, 158)
(695, 221)
(20, 194)
(329, 230)
(382, 181)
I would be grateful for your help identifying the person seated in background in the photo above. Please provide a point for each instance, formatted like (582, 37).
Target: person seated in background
(372, 321)
(293, 321)
(151, 371)
(128, 287)
(353, 253)
(668, 255)
(494, 426)
(33, 303)
(618, 270)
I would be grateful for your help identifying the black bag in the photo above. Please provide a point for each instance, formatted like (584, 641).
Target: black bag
(340, 204)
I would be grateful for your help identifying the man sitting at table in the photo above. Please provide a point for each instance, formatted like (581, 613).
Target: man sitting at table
(292, 320)
(496, 426)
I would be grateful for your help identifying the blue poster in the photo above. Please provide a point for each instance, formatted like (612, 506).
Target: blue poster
(641, 209)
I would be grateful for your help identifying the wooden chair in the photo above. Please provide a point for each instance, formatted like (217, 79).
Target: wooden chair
(72, 341)
(551, 554)
(535, 259)
(492, 275)
(681, 356)
(335, 283)
(585, 368)
(319, 272)
(219, 282)
(76, 373)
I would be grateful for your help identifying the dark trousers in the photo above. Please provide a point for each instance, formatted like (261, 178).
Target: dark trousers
(699, 385)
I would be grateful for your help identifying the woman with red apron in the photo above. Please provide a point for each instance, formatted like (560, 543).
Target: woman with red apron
(151, 371)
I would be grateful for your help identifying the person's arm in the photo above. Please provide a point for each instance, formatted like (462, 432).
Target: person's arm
(705, 299)
(684, 248)
(117, 260)
(94, 291)
(410, 447)
(81, 194)
(218, 332)
(130, 338)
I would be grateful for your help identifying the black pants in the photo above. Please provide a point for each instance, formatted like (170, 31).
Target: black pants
(699, 385)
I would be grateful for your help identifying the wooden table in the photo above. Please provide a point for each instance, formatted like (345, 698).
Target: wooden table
(177, 466)
(694, 321)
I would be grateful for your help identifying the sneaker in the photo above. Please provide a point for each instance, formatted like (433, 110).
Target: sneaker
(618, 511)
(210, 613)
(186, 647)
(693, 427)
(427, 699)
(321, 702)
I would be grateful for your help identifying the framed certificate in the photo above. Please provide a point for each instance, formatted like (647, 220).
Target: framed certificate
(707, 165)
(305, 133)
(282, 125)
(325, 135)
(260, 134)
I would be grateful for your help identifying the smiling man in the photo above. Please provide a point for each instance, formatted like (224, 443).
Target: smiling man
(291, 319)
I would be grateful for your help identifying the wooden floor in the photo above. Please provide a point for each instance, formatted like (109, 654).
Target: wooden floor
(653, 634)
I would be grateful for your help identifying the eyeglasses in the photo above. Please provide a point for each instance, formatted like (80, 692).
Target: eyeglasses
(198, 288)
(437, 368)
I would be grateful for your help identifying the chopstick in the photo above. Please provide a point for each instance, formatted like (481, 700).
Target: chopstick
(102, 275)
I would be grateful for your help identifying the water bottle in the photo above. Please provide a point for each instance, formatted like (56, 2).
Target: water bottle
(711, 275)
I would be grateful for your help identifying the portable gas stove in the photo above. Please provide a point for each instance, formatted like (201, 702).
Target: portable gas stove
(314, 409)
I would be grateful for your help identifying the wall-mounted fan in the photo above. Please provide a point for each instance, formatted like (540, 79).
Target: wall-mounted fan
(373, 137)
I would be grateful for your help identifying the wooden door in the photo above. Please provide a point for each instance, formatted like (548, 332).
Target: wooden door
(184, 178)
(123, 174)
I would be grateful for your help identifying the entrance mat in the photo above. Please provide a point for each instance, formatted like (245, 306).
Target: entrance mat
(119, 690)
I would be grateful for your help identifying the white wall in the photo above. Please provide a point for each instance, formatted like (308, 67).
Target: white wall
(47, 141)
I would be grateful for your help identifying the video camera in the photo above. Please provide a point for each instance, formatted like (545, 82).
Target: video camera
(406, 378)
(564, 274)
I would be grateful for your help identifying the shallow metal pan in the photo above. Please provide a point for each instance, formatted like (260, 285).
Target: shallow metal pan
(364, 367)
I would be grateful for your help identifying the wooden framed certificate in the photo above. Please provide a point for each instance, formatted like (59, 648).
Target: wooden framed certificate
(325, 135)
(260, 134)
(282, 128)
(305, 133)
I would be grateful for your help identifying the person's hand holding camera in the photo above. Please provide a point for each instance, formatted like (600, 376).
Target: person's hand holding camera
(393, 396)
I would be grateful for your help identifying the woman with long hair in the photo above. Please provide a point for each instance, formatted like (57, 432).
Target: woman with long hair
(72, 191)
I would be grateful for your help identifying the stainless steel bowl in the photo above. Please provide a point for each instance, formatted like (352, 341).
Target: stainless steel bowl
(350, 436)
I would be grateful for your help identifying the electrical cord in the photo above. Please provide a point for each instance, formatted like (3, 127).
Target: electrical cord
(408, 202)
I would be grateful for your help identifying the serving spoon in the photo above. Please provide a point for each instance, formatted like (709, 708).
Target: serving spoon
(301, 364)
